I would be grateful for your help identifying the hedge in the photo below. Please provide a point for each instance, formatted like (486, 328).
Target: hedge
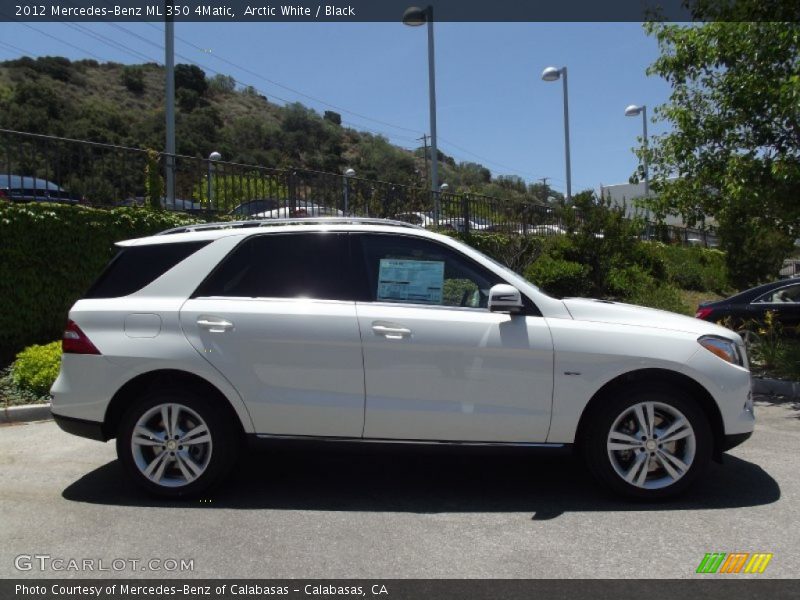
(50, 254)
(36, 368)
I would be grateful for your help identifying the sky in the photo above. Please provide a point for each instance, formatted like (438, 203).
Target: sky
(493, 107)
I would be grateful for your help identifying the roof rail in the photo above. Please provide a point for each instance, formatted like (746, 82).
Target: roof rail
(289, 221)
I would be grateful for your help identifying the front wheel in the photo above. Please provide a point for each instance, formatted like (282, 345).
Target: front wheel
(648, 444)
(176, 444)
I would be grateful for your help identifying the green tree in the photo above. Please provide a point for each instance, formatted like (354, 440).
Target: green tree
(734, 149)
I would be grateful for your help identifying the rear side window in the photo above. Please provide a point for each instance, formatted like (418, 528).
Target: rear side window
(296, 265)
(134, 267)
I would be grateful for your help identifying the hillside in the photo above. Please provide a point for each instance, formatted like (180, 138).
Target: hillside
(124, 104)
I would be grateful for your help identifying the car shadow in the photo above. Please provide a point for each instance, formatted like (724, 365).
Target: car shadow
(427, 481)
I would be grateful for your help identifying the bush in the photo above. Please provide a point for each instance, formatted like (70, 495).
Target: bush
(133, 78)
(50, 255)
(697, 269)
(558, 277)
(36, 368)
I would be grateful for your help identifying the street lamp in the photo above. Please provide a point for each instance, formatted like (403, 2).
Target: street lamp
(554, 74)
(634, 111)
(348, 173)
(212, 158)
(413, 17)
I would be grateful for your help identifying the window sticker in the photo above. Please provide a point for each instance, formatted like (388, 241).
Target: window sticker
(418, 281)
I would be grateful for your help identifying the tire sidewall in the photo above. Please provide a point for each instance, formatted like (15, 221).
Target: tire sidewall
(223, 440)
(611, 407)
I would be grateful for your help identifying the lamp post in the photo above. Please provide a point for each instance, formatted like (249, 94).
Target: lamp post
(348, 173)
(415, 16)
(212, 158)
(554, 74)
(633, 111)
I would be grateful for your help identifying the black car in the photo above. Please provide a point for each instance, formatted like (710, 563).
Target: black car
(779, 297)
(23, 188)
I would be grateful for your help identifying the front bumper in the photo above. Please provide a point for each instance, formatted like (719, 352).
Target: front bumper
(734, 439)
(81, 427)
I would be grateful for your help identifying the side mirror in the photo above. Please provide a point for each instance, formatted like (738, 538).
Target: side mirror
(505, 298)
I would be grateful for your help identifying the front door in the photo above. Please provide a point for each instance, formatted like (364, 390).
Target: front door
(438, 365)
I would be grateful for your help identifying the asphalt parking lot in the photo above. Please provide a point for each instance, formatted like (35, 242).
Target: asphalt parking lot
(397, 515)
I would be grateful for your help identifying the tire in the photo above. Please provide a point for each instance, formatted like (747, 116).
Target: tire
(153, 454)
(649, 468)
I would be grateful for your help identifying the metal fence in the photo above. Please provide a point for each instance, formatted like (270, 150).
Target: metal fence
(106, 175)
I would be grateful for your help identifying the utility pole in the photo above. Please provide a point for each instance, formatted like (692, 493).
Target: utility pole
(424, 139)
(169, 64)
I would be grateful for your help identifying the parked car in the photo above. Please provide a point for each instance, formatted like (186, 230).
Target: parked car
(422, 219)
(300, 210)
(22, 188)
(365, 330)
(178, 204)
(782, 298)
(254, 207)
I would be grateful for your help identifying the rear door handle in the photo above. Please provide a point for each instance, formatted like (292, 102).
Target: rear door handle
(391, 331)
(214, 324)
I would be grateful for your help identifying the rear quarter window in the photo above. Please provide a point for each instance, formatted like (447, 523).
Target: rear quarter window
(134, 267)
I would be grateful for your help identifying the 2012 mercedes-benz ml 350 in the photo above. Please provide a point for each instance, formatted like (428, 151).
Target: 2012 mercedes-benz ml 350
(197, 339)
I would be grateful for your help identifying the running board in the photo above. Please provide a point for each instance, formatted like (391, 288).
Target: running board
(266, 437)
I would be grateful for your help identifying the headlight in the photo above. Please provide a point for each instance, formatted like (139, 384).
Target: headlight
(723, 348)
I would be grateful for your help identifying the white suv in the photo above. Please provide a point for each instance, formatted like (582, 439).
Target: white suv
(194, 340)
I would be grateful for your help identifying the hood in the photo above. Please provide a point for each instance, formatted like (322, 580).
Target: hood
(604, 311)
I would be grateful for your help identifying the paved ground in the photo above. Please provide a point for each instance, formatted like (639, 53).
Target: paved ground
(342, 514)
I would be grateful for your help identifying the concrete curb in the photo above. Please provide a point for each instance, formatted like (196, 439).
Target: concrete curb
(26, 412)
(776, 387)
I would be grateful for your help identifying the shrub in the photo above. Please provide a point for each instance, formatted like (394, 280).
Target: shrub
(558, 277)
(697, 269)
(49, 256)
(133, 78)
(36, 368)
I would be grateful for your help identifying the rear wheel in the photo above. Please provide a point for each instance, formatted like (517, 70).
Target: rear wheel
(648, 444)
(176, 444)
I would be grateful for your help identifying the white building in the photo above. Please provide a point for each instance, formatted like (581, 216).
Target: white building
(628, 194)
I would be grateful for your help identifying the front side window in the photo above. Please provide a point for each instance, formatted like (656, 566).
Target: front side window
(293, 265)
(411, 270)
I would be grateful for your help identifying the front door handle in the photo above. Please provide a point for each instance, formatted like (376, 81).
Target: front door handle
(391, 331)
(214, 324)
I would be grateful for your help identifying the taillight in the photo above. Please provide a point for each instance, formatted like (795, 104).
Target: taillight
(3, 194)
(703, 312)
(76, 342)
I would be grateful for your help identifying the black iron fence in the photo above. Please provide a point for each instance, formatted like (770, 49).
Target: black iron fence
(37, 167)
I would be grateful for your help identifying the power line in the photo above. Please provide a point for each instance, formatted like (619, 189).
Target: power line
(295, 91)
(109, 42)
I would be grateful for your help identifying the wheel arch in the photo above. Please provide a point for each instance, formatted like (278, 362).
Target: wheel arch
(163, 379)
(663, 377)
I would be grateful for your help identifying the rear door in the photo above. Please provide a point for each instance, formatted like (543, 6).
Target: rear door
(278, 320)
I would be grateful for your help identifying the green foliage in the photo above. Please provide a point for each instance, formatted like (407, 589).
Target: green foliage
(514, 251)
(558, 277)
(333, 117)
(153, 182)
(772, 353)
(13, 395)
(694, 268)
(733, 141)
(190, 77)
(222, 84)
(36, 368)
(50, 255)
(230, 190)
(133, 78)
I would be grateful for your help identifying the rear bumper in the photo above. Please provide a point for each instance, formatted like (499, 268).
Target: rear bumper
(81, 427)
